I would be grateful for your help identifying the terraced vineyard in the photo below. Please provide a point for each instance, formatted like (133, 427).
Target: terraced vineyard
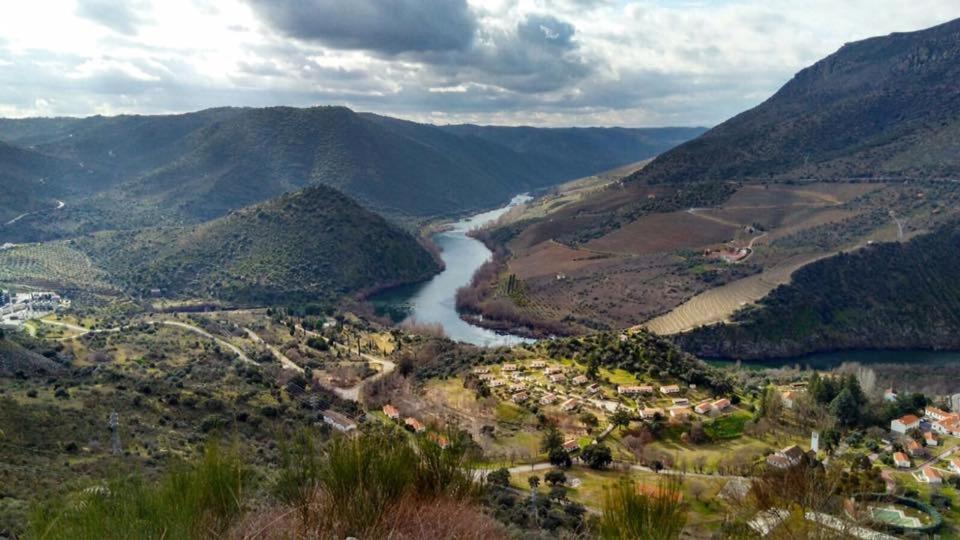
(716, 305)
(51, 265)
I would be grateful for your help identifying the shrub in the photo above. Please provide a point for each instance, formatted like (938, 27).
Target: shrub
(632, 512)
(190, 501)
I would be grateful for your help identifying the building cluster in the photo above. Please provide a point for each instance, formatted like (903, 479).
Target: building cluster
(15, 309)
(415, 425)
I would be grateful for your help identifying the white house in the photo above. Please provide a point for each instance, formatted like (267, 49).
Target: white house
(904, 424)
(901, 461)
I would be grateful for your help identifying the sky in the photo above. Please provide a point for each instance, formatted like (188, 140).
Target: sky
(529, 62)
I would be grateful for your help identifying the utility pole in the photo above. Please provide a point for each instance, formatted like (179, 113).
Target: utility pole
(313, 405)
(115, 431)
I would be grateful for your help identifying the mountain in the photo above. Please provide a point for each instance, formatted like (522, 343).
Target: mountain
(819, 168)
(886, 296)
(565, 153)
(882, 107)
(188, 168)
(310, 245)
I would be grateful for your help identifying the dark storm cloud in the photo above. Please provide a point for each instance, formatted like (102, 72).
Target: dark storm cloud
(121, 16)
(385, 26)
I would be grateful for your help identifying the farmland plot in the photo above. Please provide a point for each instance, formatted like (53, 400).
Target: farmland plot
(50, 265)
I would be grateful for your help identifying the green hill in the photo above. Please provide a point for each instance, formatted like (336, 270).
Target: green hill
(882, 107)
(311, 245)
(886, 296)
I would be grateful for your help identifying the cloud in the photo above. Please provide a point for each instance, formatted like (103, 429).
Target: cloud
(384, 26)
(539, 62)
(123, 16)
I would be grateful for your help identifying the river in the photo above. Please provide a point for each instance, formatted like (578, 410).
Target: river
(434, 301)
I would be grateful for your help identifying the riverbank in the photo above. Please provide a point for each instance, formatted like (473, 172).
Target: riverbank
(433, 302)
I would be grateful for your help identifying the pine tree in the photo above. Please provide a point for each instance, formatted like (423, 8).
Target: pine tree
(845, 408)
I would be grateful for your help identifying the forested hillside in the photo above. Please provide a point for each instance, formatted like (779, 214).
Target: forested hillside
(311, 245)
(888, 295)
(881, 107)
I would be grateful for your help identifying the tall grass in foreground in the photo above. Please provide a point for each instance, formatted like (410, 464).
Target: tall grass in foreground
(631, 511)
(361, 481)
(199, 500)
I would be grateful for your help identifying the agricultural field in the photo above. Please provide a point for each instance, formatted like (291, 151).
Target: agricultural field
(51, 265)
(660, 269)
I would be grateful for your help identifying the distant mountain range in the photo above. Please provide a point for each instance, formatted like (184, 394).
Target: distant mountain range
(311, 245)
(882, 107)
(180, 169)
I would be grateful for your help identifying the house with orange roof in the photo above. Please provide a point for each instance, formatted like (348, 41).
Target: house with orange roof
(930, 438)
(948, 426)
(901, 461)
(391, 412)
(915, 449)
(955, 465)
(721, 404)
(704, 407)
(789, 398)
(416, 425)
(930, 475)
(904, 423)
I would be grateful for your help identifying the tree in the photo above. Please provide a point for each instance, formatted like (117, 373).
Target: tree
(552, 439)
(845, 408)
(772, 404)
(560, 458)
(697, 435)
(589, 419)
(558, 492)
(499, 477)
(534, 481)
(597, 456)
(851, 383)
(620, 418)
(555, 477)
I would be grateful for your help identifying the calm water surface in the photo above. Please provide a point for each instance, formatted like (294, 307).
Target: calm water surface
(434, 301)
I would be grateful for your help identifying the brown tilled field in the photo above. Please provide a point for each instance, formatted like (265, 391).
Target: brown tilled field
(665, 232)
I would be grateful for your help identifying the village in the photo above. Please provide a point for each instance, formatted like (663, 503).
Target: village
(18, 308)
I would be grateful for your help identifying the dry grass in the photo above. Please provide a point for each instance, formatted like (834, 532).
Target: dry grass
(410, 518)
